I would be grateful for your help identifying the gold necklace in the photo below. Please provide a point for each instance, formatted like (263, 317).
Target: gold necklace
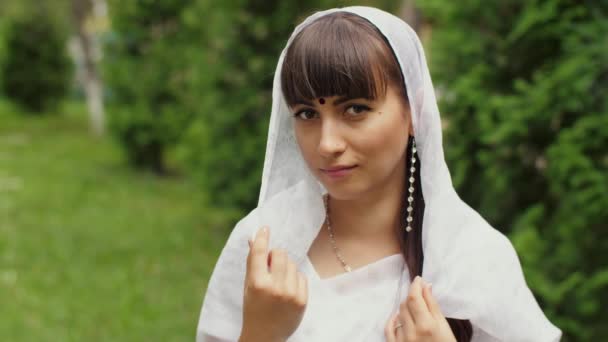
(347, 268)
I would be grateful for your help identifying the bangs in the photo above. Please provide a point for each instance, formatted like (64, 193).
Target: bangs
(340, 54)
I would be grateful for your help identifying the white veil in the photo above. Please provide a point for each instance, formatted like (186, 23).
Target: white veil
(474, 268)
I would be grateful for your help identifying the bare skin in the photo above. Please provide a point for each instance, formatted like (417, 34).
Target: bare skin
(326, 264)
(371, 134)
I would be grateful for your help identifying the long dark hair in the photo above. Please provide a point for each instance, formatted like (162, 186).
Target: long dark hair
(344, 54)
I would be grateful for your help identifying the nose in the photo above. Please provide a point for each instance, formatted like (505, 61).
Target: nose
(331, 142)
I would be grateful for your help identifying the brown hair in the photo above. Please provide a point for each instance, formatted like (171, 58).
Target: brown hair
(338, 54)
(344, 54)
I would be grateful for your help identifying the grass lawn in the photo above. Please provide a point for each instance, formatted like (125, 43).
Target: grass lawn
(91, 250)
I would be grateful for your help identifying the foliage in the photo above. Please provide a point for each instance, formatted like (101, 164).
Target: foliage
(35, 70)
(523, 87)
(148, 70)
(226, 143)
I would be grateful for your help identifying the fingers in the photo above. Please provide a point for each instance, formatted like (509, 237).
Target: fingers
(417, 305)
(285, 275)
(258, 253)
(409, 327)
(278, 264)
(431, 303)
(396, 329)
(302, 288)
(389, 329)
(291, 277)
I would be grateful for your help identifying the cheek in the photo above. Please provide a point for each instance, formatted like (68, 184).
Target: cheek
(384, 138)
(306, 142)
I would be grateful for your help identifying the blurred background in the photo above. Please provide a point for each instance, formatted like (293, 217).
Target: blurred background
(132, 135)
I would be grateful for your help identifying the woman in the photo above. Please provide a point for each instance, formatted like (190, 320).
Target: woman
(360, 212)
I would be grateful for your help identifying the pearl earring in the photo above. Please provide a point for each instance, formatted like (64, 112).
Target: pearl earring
(410, 198)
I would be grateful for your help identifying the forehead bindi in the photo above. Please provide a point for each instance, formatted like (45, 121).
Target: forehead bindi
(322, 101)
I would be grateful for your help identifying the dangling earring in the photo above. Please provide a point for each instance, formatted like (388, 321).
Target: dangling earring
(410, 198)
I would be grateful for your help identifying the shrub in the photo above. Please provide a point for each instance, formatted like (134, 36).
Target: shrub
(36, 70)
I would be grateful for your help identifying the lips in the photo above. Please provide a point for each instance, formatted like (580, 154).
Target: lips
(338, 171)
(338, 168)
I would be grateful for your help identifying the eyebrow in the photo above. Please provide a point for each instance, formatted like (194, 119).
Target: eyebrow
(336, 102)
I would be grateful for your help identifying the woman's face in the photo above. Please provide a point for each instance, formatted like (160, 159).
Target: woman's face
(354, 146)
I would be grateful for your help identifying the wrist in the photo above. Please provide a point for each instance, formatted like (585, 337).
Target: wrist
(247, 336)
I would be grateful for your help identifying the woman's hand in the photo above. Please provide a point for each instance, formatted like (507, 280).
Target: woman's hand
(420, 316)
(275, 293)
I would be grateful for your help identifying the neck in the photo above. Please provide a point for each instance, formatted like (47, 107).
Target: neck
(372, 218)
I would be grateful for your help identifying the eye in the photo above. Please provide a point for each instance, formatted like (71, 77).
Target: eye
(305, 114)
(356, 109)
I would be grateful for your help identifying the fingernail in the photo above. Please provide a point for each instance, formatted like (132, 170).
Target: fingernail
(249, 242)
(261, 231)
(431, 287)
(265, 230)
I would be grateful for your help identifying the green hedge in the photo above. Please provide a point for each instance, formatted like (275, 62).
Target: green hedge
(524, 87)
(147, 69)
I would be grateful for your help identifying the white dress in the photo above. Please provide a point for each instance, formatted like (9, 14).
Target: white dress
(356, 306)
(352, 306)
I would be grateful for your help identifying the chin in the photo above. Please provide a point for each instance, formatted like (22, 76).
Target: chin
(344, 191)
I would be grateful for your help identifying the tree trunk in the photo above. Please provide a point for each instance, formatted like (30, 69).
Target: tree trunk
(410, 14)
(82, 12)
